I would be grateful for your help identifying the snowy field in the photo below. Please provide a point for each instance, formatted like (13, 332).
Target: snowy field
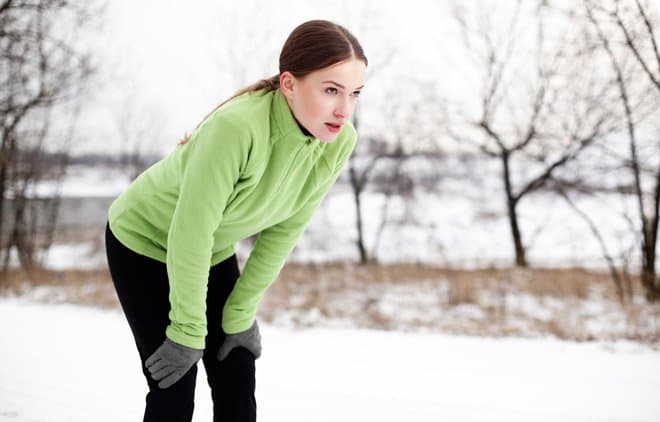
(70, 363)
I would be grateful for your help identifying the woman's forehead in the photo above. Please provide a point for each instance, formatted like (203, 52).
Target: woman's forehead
(349, 74)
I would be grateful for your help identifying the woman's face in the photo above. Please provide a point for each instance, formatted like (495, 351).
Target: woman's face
(325, 99)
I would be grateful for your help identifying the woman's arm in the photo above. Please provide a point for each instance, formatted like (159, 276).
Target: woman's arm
(269, 254)
(210, 167)
(265, 262)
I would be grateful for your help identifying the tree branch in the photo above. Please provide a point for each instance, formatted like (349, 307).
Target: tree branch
(633, 47)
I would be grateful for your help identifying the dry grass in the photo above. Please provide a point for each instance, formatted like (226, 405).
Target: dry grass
(565, 303)
(464, 286)
(494, 302)
(86, 287)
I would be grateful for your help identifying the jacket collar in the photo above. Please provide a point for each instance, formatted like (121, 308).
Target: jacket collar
(284, 124)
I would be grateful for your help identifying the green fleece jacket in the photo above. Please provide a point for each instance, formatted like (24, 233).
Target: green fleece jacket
(248, 168)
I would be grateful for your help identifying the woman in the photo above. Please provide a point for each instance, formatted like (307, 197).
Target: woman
(259, 163)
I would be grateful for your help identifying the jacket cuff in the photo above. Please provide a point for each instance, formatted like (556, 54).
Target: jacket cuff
(177, 336)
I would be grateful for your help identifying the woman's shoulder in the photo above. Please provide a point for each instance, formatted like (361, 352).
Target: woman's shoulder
(243, 120)
(249, 110)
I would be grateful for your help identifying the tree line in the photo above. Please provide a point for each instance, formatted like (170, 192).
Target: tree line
(572, 87)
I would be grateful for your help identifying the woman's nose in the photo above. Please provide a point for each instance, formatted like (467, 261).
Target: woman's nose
(343, 109)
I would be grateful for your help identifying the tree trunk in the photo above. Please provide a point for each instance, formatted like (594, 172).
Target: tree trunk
(6, 153)
(649, 281)
(511, 203)
(3, 213)
(357, 191)
(360, 231)
(650, 284)
(521, 259)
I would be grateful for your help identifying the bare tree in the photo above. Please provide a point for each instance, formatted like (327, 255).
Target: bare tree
(41, 71)
(637, 39)
(360, 169)
(379, 161)
(536, 109)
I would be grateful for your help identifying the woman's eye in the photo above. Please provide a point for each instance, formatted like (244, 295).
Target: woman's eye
(356, 93)
(331, 90)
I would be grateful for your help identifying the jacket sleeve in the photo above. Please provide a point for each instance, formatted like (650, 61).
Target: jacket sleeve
(210, 166)
(268, 256)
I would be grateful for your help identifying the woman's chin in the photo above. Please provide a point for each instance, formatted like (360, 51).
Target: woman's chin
(327, 137)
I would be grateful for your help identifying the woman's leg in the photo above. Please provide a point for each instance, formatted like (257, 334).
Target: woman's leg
(232, 381)
(143, 292)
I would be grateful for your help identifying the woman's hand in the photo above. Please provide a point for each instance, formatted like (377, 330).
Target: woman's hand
(249, 339)
(171, 361)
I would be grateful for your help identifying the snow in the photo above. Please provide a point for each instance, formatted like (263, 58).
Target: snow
(72, 363)
(79, 256)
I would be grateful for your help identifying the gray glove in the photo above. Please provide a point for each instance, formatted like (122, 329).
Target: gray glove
(249, 339)
(171, 361)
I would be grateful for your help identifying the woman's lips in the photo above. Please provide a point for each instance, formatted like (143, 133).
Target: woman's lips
(334, 128)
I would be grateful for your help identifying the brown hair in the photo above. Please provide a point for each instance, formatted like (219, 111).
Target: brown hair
(311, 46)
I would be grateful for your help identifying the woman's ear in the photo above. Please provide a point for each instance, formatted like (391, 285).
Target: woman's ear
(287, 84)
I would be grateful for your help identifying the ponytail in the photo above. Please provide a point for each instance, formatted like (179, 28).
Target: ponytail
(269, 84)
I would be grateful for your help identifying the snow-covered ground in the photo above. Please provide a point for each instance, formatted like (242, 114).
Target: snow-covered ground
(70, 363)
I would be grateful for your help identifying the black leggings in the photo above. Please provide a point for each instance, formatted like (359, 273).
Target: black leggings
(143, 291)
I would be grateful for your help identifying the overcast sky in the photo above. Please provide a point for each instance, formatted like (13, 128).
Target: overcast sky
(164, 64)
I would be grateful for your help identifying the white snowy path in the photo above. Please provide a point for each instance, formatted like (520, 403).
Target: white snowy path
(69, 363)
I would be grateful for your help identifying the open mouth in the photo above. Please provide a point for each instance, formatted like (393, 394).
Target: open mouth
(333, 127)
